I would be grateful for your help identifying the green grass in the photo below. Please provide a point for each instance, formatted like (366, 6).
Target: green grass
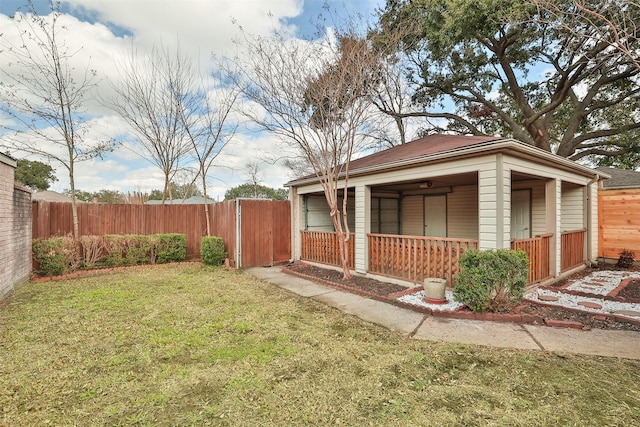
(190, 345)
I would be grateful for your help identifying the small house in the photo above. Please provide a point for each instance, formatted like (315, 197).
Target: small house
(415, 208)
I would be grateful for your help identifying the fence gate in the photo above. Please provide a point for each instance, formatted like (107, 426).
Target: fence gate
(263, 232)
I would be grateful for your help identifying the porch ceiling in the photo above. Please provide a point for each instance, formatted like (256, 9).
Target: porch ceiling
(438, 182)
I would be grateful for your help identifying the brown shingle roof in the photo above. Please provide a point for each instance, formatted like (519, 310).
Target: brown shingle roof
(620, 178)
(430, 144)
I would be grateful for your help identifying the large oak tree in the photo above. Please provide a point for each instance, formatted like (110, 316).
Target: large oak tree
(506, 67)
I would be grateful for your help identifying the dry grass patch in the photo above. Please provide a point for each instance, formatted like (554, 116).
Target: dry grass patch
(190, 345)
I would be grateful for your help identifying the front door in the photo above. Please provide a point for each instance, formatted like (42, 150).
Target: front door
(435, 216)
(521, 214)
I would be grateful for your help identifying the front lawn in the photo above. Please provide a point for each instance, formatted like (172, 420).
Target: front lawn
(191, 345)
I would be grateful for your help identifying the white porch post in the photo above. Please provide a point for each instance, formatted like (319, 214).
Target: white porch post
(363, 227)
(591, 220)
(296, 222)
(553, 201)
(494, 206)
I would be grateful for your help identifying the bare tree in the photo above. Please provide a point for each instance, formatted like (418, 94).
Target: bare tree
(44, 96)
(205, 114)
(616, 22)
(314, 97)
(253, 170)
(150, 96)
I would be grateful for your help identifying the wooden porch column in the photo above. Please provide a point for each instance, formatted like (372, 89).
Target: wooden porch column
(553, 202)
(363, 227)
(494, 206)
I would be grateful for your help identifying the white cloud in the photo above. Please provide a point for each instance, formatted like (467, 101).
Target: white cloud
(202, 27)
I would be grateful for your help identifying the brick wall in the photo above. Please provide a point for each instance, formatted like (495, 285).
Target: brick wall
(22, 220)
(15, 229)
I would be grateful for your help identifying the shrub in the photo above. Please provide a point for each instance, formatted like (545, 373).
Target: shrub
(212, 250)
(127, 249)
(491, 280)
(135, 249)
(56, 255)
(114, 250)
(92, 250)
(171, 247)
(626, 258)
(151, 248)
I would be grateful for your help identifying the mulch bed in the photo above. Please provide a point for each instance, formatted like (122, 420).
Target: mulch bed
(631, 291)
(381, 291)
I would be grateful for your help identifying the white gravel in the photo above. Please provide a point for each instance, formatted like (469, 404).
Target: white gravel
(416, 299)
(597, 283)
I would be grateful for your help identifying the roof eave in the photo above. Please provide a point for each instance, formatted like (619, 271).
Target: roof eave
(501, 145)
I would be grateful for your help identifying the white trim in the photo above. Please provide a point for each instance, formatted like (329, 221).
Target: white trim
(511, 146)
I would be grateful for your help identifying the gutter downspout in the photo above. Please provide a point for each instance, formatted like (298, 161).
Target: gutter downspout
(590, 218)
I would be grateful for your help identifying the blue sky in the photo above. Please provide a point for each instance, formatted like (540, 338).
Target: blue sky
(104, 30)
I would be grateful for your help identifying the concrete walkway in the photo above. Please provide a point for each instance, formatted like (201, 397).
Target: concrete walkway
(625, 344)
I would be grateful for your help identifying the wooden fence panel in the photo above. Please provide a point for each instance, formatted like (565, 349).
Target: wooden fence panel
(572, 249)
(414, 258)
(55, 219)
(323, 247)
(256, 218)
(618, 222)
(281, 231)
(538, 252)
(222, 219)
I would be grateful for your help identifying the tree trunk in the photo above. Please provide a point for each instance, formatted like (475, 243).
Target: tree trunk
(206, 204)
(74, 204)
(342, 240)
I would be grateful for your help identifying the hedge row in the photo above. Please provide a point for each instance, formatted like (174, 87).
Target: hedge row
(60, 255)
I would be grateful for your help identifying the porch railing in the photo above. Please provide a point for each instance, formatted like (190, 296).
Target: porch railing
(323, 247)
(413, 258)
(572, 248)
(537, 249)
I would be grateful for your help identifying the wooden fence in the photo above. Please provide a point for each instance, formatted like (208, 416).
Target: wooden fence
(414, 258)
(55, 219)
(537, 249)
(572, 249)
(323, 247)
(618, 222)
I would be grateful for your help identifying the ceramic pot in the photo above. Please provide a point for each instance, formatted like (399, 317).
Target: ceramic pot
(434, 290)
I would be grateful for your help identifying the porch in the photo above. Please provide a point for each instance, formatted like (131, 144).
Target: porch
(413, 210)
(414, 258)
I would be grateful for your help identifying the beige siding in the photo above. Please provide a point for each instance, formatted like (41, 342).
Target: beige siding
(572, 207)
(592, 225)
(462, 212)
(317, 213)
(538, 208)
(361, 227)
(487, 209)
(375, 208)
(384, 215)
(413, 216)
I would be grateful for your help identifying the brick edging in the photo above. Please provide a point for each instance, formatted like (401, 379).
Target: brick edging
(603, 316)
(610, 297)
(457, 314)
